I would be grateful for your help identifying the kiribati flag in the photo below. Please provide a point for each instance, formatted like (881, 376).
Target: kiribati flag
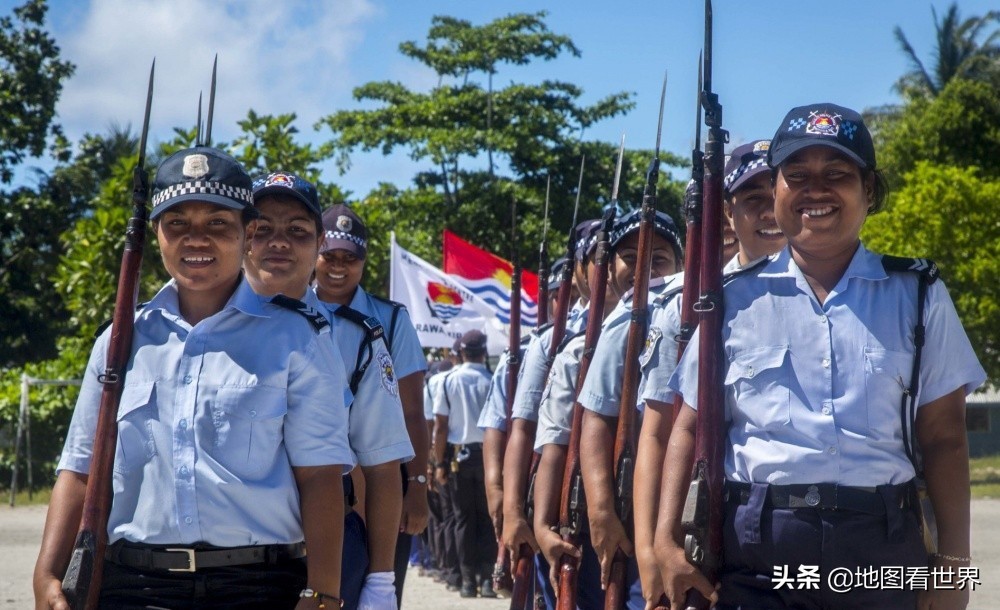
(488, 277)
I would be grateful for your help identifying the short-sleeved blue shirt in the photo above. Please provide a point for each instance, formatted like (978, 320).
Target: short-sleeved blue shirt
(813, 391)
(211, 423)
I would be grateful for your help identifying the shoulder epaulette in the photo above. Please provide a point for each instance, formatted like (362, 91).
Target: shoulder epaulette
(664, 297)
(754, 266)
(525, 340)
(370, 324)
(925, 267)
(394, 304)
(540, 330)
(318, 321)
(105, 324)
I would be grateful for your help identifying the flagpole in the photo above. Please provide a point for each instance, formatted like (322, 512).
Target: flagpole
(392, 259)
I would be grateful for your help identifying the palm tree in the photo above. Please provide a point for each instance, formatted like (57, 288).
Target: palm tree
(958, 53)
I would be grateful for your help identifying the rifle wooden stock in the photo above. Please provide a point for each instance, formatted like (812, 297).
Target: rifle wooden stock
(571, 509)
(82, 582)
(704, 543)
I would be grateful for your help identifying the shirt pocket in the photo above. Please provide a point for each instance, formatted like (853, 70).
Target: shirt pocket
(887, 374)
(759, 379)
(136, 412)
(248, 423)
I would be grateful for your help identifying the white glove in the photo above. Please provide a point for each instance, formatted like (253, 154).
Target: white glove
(378, 592)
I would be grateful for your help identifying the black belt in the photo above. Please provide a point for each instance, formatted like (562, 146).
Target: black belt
(829, 496)
(173, 559)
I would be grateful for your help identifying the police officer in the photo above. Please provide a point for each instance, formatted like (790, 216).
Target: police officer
(433, 535)
(458, 402)
(441, 497)
(749, 210)
(818, 355)
(229, 457)
(281, 259)
(534, 373)
(596, 448)
(339, 269)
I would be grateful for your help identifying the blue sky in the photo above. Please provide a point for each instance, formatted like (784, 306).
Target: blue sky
(306, 56)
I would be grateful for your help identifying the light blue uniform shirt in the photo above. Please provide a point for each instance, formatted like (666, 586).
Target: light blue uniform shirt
(494, 413)
(460, 397)
(602, 390)
(377, 429)
(535, 367)
(212, 420)
(407, 355)
(555, 413)
(813, 391)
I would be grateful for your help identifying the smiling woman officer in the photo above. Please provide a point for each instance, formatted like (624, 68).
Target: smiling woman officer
(819, 353)
(229, 456)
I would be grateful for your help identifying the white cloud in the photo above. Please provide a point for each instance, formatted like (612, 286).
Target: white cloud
(285, 56)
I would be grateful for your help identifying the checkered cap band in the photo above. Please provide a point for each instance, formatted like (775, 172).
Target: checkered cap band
(354, 239)
(202, 187)
(632, 225)
(742, 169)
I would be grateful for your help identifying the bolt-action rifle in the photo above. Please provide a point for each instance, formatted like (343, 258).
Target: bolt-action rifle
(702, 515)
(572, 511)
(560, 316)
(82, 582)
(625, 437)
(503, 582)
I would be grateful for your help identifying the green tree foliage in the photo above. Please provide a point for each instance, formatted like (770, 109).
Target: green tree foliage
(960, 127)
(31, 77)
(948, 214)
(964, 48)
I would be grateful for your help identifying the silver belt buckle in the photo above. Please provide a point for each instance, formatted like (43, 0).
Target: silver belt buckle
(812, 496)
(190, 555)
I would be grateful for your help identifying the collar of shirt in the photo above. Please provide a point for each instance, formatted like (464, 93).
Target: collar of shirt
(476, 366)
(864, 265)
(166, 302)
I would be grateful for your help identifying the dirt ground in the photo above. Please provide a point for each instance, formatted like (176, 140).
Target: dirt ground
(21, 532)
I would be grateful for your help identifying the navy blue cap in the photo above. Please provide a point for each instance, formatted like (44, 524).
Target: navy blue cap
(200, 174)
(287, 184)
(823, 124)
(585, 238)
(663, 225)
(473, 342)
(745, 162)
(344, 230)
(439, 366)
(555, 275)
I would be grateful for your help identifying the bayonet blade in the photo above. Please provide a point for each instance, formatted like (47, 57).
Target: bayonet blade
(197, 128)
(211, 103)
(659, 124)
(708, 46)
(579, 189)
(697, 122)
(545, 223)
(145, 118)
(618, 171)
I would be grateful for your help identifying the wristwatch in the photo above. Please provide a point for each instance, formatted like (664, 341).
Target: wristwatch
(420, 478)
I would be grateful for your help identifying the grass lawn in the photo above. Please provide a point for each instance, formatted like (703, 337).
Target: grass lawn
(985, 475)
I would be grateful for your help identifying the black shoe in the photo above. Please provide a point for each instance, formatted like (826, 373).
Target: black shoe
(487, 589)
(468, 591)
(454, 583)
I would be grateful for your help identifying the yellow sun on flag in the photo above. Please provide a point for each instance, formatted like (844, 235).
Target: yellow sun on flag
(503, 277)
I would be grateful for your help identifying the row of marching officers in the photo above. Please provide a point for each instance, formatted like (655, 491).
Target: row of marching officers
(845, 374)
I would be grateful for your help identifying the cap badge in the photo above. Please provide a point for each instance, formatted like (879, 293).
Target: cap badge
(344, 223)
(761, 148)
(280, 180)
(823, 124)
(195, 166)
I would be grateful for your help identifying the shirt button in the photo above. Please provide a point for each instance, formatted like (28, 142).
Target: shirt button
(183, 424)
(827, 410)
(750, 371)
(187, 379)
(822, 318)
(253, 414)
(826, 363)
(832, 450)
(188, 520)
(184, 470)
